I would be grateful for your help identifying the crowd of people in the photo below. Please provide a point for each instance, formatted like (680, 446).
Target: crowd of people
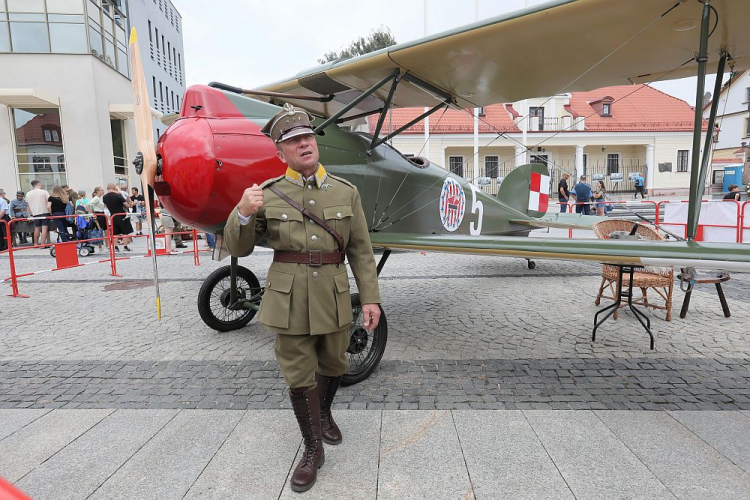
(60, 207)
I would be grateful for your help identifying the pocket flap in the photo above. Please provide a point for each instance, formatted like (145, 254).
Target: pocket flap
(283, 213)
(280, 281)
(337, 212)
(342, 282)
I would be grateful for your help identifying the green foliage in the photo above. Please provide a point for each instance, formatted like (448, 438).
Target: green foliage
(376, 40)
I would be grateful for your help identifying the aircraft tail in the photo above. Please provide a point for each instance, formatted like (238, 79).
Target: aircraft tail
(527, 189)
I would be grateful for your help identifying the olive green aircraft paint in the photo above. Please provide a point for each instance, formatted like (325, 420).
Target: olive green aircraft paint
(401, 201)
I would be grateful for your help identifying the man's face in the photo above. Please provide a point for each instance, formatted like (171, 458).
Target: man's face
(19, 196)
(300, 152)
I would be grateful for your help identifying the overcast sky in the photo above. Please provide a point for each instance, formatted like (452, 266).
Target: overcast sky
(248, 43)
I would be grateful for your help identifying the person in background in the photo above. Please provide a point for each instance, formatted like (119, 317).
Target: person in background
(563, 193)
(97, 207)
(117, 205)
(19, 209)
(734, 193)
(82, 200)
(37, 199)
(171, 226)
(600, 199)
(57, 202)
(138, 208)
(583, 195)
(3, 196)
(4, 211)
(639, 185)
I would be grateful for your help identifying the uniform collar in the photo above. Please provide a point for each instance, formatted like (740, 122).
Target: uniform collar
(295, 177)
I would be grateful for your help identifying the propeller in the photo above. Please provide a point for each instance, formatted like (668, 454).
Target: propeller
(145, 162)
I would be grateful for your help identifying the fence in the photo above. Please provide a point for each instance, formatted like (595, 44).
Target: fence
(66, 253)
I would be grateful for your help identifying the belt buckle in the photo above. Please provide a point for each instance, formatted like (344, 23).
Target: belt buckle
(313, 262)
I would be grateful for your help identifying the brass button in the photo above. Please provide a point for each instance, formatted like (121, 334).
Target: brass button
(315, 274)
(312, 203)
(339, 215)
(314, 238)
(284, 216)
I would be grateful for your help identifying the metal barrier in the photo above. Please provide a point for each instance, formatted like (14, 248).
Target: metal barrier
(699, 230)
(744, 222)
(66, 252)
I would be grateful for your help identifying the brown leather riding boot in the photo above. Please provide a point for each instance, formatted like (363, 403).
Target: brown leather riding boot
(306, 407)
(327, 387)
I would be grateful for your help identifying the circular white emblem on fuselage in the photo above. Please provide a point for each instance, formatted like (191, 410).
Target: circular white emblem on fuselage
(452, 204)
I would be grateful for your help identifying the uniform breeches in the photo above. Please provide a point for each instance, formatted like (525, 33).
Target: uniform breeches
(300, 356)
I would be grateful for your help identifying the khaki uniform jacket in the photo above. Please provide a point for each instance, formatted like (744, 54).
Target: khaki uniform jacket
(301, 299)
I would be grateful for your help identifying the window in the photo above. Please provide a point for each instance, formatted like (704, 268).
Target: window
(156, 30)
(613, 163)
(68, 38)
(480, 111)
(747, 127)
(29, 36)
(538, 112)
(456, 165)
(118, 147)
(153, 79)
(162, 44)
(747, 94)
(4, 37)
(490, 166)
(606, 109)
(172, 100)
(150, 36)
(39, 147)
(169, 51)
(161, 93)
(682, 160)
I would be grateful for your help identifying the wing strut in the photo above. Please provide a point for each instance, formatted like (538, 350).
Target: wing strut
(332, 119)
(698, 173)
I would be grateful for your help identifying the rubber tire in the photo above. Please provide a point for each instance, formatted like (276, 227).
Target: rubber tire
(204, 299)
(85, 251)
(52, 251)
(531, 264)
(379, 338)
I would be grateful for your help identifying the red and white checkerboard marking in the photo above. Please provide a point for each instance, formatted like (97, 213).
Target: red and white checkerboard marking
(539, 192)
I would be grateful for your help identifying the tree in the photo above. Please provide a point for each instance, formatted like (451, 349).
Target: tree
(376, 40)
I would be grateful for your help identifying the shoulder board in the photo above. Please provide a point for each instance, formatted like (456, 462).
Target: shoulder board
(270, 181)
(340, 179)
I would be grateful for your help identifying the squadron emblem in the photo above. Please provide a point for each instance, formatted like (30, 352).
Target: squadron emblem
(452, 204)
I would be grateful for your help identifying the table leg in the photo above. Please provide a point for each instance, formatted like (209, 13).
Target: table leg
(723, 300)
(685, 304)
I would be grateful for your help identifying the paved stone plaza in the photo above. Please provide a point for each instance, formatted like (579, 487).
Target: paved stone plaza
(97, 397)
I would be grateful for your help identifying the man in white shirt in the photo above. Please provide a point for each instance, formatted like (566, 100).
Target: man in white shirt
(39, 207)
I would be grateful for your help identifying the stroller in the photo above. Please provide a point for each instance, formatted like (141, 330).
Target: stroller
(82, 229)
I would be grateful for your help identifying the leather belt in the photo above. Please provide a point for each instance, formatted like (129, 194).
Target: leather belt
(313, 258)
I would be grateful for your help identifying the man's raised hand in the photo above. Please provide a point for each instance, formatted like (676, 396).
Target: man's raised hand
(251, 202)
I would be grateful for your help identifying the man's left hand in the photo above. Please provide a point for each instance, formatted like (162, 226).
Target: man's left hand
(370, 316)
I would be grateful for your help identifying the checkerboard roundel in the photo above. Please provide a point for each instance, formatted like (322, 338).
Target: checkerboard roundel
(538, 192)
(452, 204)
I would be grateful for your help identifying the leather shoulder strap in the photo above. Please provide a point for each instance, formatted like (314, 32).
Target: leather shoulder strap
(310, 215)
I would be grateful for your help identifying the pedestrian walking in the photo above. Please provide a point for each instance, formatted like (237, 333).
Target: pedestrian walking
(639, 185)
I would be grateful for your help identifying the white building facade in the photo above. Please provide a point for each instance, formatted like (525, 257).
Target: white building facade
(159, 27)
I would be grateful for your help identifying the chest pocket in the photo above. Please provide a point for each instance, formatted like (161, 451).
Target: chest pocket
(281, 222)
(339, 217)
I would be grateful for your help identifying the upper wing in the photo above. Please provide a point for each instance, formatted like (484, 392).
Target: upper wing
(730, 257)
(559, 46)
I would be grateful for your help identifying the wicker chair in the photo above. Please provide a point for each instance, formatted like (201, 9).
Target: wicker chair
(660, 280)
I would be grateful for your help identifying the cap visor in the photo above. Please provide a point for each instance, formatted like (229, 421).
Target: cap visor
(295, 133)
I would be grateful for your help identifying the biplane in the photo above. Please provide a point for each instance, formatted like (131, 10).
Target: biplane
(215, 149)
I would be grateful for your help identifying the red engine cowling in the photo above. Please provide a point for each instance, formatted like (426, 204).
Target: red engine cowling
(209, 158)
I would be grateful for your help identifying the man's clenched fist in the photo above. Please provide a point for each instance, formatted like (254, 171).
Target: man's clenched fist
(251, 202)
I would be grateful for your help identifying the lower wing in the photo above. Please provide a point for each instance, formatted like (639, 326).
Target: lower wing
(719, 256)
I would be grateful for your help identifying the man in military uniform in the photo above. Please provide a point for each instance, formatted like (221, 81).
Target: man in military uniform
(312, 220)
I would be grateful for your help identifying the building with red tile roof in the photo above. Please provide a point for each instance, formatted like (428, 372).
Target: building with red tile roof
(609, 133)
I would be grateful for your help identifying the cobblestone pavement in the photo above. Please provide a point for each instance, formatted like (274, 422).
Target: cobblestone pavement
(464, 332)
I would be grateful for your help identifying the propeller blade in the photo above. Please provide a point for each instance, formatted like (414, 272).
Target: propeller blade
(145, 141)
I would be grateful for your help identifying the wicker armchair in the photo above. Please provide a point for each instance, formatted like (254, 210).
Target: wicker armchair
(660, 280)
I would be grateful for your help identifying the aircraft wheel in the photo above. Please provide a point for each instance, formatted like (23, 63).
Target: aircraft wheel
(365, 349)
(532, 264)
(214, 295)
(85, 251)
